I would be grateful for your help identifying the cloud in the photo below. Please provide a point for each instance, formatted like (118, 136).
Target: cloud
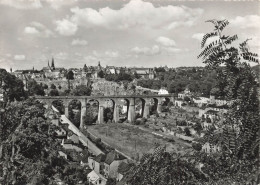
(112, 54)
(136, 13)
(19, 57)
(171, 50)
(249, 21)
(78, 42)
(155, 50)
(61, 55)
(57, 4)
(199, 36)
(66, 27)
(22, 4)
(166, 41)
(30, 30)
(38, 29)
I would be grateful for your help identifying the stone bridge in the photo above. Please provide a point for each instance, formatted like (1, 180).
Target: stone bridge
(130, 99)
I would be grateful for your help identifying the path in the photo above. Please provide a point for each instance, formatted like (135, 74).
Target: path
(85, 141)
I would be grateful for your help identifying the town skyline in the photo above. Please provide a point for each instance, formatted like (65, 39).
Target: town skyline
(116, 33)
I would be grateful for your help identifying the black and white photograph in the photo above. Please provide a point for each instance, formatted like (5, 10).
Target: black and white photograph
(129, 92)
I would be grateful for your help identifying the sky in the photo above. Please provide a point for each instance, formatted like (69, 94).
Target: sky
(116, 33)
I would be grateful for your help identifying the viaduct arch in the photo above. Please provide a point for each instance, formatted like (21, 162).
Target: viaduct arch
(115, 98)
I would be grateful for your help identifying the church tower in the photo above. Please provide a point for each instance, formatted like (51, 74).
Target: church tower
(52, 64)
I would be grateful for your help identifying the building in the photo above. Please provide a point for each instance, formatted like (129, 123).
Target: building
(145, 73)
(163, 91)
(111, 163)
(96, 178)
(211, 148)
(97, 163)
(52, 71)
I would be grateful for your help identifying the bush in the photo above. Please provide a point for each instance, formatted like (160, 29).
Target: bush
(187, 131)
(197, 146)
(54, 92)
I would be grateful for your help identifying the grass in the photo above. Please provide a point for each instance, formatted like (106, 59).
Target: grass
(130, 140)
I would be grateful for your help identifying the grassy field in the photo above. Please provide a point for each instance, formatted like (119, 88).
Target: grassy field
(130, 140)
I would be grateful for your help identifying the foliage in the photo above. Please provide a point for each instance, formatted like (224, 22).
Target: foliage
(240, 148)
(187, 131)
(162, 168)
(81, 90)
(30, 152)
(54, 92)
(58, 104)
(69, 76)
(108, 114)
(199, 80)
(35, 89)
(12, 86)
(197, 146)
(122, 76)
(101, 74)
(53, 86)
(111, 181)
(198, 128)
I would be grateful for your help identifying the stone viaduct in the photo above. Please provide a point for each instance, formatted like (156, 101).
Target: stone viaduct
(130, 99)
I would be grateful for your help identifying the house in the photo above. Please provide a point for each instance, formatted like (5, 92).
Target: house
(97, 163)
(178, 102)
(111, 163)
(74, 138)
(96, 178)
(163, 91)
(146, 73)
(211, 148)
(62, 154)
(111, 70)
(70, 145)
(212, 114)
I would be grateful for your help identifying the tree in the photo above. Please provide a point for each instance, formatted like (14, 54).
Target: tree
(241, 90)
(187, 131)
(198, 128)
(69, 76)
(197, 146)
(111, 181)
(30, 154)
(35, 89)
(133, 88)
(161, 168)
(108, 114)
(45, 86)
(54, 92)
(53, 86)
(101, 74)
(12, 86)
(136, 75)
(82, 90)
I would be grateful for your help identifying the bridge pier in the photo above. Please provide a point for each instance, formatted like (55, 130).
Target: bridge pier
(131, 110)
(146, 109)
(101, 113)
(83, 112)
(66, 110)
(159, 106)
(116, 113)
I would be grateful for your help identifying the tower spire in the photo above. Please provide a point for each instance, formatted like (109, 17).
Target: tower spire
(52, 63)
